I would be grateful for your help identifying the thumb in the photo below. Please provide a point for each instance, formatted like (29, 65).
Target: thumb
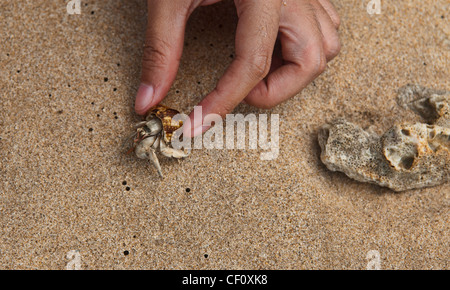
(162, 51)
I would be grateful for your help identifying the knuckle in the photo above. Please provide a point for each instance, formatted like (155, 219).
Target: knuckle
(333, 47)
(332, 13)
(225, 108)
(262, 98)
(315, 62)
(337, 20)
(155, 52)
(222, 105)
(259, 65)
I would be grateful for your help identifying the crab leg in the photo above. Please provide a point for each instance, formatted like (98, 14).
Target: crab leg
(154, 159)
(173, 153)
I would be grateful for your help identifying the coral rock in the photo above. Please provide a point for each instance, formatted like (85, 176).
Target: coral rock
(407, 156)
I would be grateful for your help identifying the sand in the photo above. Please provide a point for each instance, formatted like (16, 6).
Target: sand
(67, 86)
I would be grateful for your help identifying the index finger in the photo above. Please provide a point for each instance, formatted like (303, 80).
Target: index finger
(255, 39)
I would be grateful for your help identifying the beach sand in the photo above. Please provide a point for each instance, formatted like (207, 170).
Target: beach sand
(70, 195)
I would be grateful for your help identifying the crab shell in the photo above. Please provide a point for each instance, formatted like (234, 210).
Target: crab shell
(165, 114)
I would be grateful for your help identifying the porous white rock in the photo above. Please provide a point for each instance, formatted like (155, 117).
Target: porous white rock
(406, 156)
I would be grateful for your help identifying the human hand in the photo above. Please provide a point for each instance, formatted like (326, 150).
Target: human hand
(307, 33)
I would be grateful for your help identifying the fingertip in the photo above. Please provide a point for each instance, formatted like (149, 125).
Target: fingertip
(190, 131)
(144, 99)
(199, 120)
(187, 128)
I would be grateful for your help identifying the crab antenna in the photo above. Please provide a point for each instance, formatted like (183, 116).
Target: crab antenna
(128, 139)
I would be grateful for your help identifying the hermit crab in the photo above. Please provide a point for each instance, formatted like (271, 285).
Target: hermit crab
(155, 134)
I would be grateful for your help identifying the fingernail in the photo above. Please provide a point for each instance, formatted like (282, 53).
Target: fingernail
(199, 130)
(144, 99)
(190, 132)
(194, 125)
(187, 129)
